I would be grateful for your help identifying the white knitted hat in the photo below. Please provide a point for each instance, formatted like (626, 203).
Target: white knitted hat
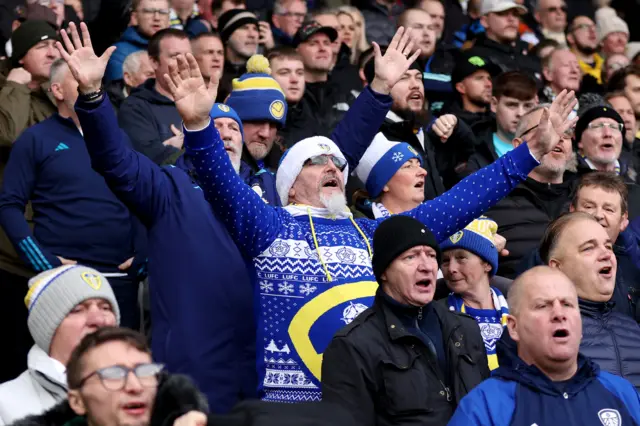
(294, 158)
(54, 293)
(381, 161)
(607, 22)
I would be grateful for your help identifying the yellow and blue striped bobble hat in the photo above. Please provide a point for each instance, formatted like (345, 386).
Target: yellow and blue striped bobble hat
(476, 237)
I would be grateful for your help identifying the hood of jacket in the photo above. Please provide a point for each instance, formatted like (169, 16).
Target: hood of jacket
(177, 395)
(148, 93)
(513, 368)
(131, 35)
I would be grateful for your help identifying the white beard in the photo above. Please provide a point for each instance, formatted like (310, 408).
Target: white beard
(335, 203)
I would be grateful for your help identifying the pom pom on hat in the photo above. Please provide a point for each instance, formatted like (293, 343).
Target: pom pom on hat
(256, 96)
(476, 237)
(381, 161)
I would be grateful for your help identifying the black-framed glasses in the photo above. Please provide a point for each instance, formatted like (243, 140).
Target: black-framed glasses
(322, 160)
(556, 9)
(584, 26)
(114, 378)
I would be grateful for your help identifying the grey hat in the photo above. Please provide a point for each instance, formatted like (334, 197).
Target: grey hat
(54, 293)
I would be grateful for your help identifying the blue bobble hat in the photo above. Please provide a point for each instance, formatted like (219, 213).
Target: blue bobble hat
(225, 111)
(476, 237)
(256, 96)
(381, 161)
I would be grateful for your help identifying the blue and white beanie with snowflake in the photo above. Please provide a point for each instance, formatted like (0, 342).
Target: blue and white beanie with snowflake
(381, 161)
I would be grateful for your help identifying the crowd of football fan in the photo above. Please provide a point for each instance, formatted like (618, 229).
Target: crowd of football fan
(331, 212)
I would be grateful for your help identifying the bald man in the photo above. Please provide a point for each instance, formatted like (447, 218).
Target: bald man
(546, 381)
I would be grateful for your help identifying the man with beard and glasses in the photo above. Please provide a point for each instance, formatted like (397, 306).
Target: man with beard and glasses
(583, 41)
(524, 214)
(312, 258)
(500, 41)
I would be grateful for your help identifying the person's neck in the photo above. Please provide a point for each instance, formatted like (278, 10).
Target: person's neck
(551, 178)
(480, 297)
(164, 92)
(495, 38)
(396, 205)
(504, 136)
(64, 112)
(35, 84)
(556, 373)
(603, 167)
(311, 76)
(234, 58)
(584, 57)
(184, 13)
(469, 106)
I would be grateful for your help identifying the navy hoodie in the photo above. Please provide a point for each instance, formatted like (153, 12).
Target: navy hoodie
(130, 42)
(76, 215)
(200, 287)
(147, 116)
(520, 394)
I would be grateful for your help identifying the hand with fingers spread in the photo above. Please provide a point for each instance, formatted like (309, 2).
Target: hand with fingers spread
(444, 126)
(191, 95)
(87, 68)
(553, 125)
(390, 67)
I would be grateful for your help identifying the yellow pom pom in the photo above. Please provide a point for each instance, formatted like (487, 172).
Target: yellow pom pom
(258, 64)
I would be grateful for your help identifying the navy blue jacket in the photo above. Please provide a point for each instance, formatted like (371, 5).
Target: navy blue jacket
(147, 116)
(611, 339)
(76, 215)
(130, 42)
(200, 286)
(520, 394)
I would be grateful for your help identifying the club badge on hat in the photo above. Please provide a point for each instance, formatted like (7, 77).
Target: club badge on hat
(277, 109)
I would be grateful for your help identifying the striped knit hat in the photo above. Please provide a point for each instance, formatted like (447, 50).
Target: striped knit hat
(476, 237)
(381, 161)
(54, 293)
(256, 96)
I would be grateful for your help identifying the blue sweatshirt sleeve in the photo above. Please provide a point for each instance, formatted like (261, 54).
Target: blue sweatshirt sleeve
(360, 124)
(624, 390)
(18, 186)
(252, 223)
(136, 180)
(490, 403)
(474, 195)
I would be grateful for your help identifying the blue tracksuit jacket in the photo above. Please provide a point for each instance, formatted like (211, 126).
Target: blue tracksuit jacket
(301, 301)
(519, 394)
(200, 286)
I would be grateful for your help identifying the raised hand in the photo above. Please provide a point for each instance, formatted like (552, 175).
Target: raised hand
(191, 95)
(554, 124)
(444, 126)
(87, 68)
(390, 68)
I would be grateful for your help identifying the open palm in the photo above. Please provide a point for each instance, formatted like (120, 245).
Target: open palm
(87, 68)
(391, 66)
(191, 95)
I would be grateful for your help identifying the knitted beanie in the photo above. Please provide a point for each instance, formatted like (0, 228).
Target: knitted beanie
(294, 158)
(594, 113)
(607, 22)
(28, 35)
(54, 293)
(396, 235)
(256, 96)
(233, 19)
(381, 161)
(225, 111)
(476, 237)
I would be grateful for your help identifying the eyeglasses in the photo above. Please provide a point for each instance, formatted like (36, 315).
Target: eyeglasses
(295, 15)
(556, 9)
(584, 27)
(115, 378)
(600, 126)
(322, 160)
(568, 134)
(149, 11)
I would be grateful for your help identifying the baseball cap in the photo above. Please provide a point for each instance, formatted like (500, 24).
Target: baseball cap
(497, 6)
(310, 28)
(469, 64)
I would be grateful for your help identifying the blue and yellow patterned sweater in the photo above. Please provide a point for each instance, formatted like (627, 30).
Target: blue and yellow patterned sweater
(300, 305)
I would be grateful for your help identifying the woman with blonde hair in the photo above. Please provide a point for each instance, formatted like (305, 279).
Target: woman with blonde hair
(359, 42)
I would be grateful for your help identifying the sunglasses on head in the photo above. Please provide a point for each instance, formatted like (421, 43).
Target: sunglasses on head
(322, 160)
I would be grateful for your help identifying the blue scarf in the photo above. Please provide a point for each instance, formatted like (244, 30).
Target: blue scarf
(456, 304)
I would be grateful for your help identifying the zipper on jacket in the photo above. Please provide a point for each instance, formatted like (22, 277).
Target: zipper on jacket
(420, 314)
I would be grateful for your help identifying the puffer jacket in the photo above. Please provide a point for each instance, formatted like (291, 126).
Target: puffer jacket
(36, 390)
(611, 339)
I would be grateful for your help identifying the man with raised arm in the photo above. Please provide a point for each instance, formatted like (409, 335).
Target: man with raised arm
(201, 298)
(313, 260)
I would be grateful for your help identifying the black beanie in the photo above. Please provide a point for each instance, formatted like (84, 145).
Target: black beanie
(396, 235)
(594, 113)
(27, 35)
(369, 68)
(233, 19)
